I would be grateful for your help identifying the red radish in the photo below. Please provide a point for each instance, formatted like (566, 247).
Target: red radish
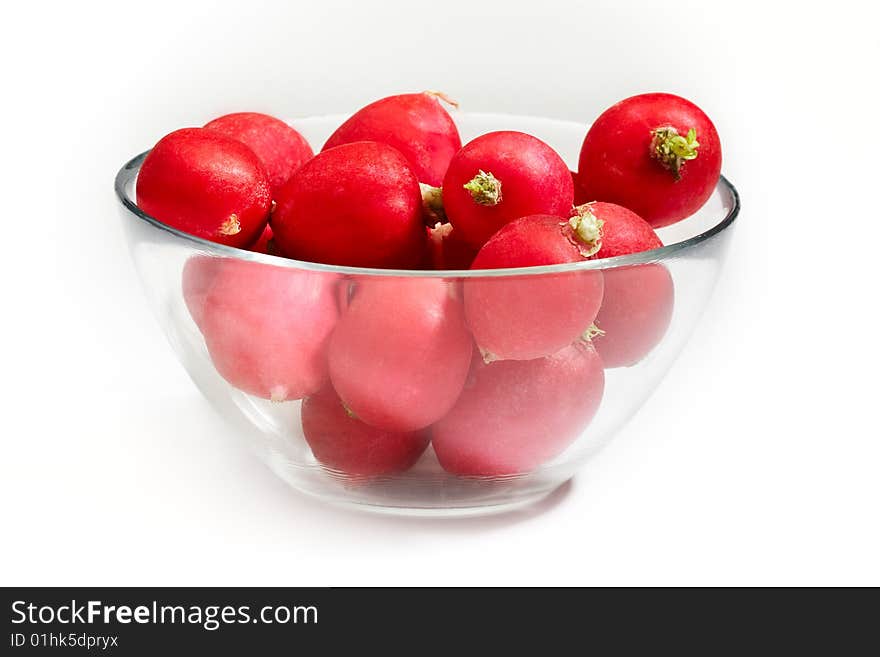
(342, 442)
(417, 125)
(515, 415)
(206, 184)
(529, 316)
(502, 176)
(196, 279)
(656, 154)
(267, 328)
(358, 204)
(621, 231)
(637, 306)
(580, 196)
(265, 243)
(448, 251)
(281, 149)
(400, 353)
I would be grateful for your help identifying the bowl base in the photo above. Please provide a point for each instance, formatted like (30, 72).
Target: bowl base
(533, 501)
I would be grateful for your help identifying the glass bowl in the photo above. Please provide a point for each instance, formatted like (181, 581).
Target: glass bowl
(525, 431)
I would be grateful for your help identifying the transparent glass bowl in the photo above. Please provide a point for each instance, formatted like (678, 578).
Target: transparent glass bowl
(693, 256)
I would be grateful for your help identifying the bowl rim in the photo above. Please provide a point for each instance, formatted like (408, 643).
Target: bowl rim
(129, 171)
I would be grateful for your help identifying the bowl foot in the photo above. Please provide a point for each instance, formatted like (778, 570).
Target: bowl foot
(531, 502)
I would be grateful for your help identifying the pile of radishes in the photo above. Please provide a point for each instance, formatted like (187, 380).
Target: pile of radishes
(499, 373)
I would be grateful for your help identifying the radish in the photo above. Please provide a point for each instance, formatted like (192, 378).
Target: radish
(513, 416)
(635, 313)
(580, 196)
(502, 176)
(342, 442)
(621, 231)
(529, 316)
(417, 125)
(206, 184)
(281, 149)
(265, 243)
(657, 154)
(358, 204)
(447, 250)
(400, 353)
(637, 305)
(267, 328)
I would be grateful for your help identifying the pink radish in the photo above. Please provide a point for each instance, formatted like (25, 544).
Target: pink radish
(342, 442)
(400, 353)
(529, 316)
(513, 416)
(267, 328)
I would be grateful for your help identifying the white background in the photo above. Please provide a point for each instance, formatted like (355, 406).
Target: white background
(756, 461)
